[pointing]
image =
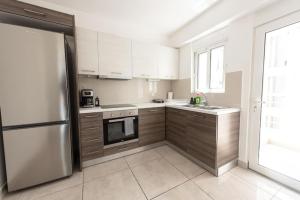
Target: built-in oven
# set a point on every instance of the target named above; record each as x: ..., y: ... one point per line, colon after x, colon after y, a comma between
x: 120, y: 126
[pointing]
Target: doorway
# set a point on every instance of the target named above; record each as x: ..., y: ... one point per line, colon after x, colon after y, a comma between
x: 275, y: 111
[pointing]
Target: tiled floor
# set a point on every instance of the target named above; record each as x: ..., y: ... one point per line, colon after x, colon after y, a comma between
x: 159, y: 174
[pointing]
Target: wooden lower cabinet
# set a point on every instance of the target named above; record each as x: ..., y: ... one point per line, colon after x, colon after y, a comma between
x: 176, y: 124
x: 152, y: 125
x: 91, y: 136
x: 212, y: 139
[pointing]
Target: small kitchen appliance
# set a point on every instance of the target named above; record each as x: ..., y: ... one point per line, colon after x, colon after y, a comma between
x: 87, y: 98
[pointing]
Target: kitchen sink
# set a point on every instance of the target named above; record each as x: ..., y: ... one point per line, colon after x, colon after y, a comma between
x: 204, y: 107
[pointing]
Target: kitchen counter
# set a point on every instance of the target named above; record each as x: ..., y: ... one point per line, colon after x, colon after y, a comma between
x: 212, y: 112
x: 177, y: 105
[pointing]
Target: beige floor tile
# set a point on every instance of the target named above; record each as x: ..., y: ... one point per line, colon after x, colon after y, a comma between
x: 230, y: 187
x: 256, y: 179
x: 104, y: 169
x: 186, y: 191
x: 158, y: 176
x: 287, y: 194
x: 186, y: 166
x: 142, y: 157
x: 46, y: 189
x: 117, y: 186
x: 74, y: 193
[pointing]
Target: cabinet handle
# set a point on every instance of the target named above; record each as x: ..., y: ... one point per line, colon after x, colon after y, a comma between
x: 152, y: 110
x: 93, y: 140
x: 119, y: 73
x: 34, y: 12
x: 87, y: 70
x: 89, y: 116
x: 90, y: 129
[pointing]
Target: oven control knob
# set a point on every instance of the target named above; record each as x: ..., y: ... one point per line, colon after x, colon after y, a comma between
x: 130, y: 113
x: 111, y: 115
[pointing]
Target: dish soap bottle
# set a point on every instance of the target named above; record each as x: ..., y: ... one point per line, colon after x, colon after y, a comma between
x: 198, y: 99
x: 97, y: 102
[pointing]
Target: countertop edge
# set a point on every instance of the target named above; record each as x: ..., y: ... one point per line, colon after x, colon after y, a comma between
x: 154, y: 105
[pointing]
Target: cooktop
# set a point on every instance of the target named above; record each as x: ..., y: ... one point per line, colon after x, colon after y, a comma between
x: 117, y: 106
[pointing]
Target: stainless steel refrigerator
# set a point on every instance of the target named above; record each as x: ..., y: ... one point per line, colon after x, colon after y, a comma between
x: 34, y: 106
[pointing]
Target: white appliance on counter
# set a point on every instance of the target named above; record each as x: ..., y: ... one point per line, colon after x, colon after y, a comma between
x: 34, y: 105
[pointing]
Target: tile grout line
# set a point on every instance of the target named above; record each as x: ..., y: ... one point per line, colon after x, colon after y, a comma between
x: 202, y: 188
x: 179, y: 169
x: 136, y: 179
x: 170, y: 189
x: 254, y: 185
x: 52, y: 193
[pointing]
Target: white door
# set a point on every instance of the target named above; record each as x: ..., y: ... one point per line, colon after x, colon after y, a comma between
x: 275, y: 133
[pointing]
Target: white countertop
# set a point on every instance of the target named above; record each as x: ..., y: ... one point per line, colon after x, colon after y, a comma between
x: 212, y: 112
x: 175, y: 104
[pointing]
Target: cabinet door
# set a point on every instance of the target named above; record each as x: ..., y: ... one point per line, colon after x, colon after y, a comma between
x: 185, y: 62
x: 176, y: 127
x: 202, y: 137
x: 114, y: 56
x: 87, y: 51
x: 144, y: 60
x: 151, y: 125
x: 91, y: 136
x: 168, y: 61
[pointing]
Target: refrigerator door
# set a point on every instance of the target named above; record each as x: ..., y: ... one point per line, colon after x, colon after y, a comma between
x: 33, y: 82
x: 36, y: 155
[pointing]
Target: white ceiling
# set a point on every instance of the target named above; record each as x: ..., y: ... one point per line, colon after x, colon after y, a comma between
x: 163, y: 17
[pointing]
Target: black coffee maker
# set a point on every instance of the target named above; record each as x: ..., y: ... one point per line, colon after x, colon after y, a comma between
x: 86, y: 98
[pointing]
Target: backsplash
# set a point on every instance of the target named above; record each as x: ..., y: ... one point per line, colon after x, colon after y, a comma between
x: 231, y: 97
x: 126, y: 91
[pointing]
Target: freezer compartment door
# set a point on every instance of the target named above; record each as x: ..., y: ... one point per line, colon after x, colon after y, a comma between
x: 33, y: 82
x: 37, y: 155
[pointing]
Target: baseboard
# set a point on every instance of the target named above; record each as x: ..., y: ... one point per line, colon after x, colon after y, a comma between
x: 243, y: 164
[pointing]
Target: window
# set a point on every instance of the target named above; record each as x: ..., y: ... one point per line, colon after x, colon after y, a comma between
x: 209, y: 70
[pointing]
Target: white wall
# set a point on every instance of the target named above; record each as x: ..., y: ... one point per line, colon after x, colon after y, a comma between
x: 239, y: 40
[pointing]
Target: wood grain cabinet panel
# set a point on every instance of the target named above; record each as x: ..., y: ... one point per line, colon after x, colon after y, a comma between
x: 35, y: 12
x: 151, y: 125
x: 91, y: 136
x: 228, y: 138
x: 176, y: 127
x: 211, y: 139
x: 201, y: 137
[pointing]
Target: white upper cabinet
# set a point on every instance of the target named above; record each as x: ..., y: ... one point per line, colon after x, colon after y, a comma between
x: 87, y: 51
x: 144, y: 60
x: 185, y: 62
x: 114, y: 56
x: 168, y: 61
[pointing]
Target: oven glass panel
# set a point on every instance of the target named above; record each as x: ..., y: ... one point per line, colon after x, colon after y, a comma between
x: 115, y: 131
x: 119, y: 130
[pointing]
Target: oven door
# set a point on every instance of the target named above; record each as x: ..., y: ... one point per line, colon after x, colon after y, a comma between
x: 120, y: 129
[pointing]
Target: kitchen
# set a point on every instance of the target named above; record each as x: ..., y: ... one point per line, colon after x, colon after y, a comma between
x: 113, y: 110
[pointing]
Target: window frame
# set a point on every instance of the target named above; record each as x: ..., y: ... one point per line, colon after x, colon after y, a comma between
x: 207, y: 89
